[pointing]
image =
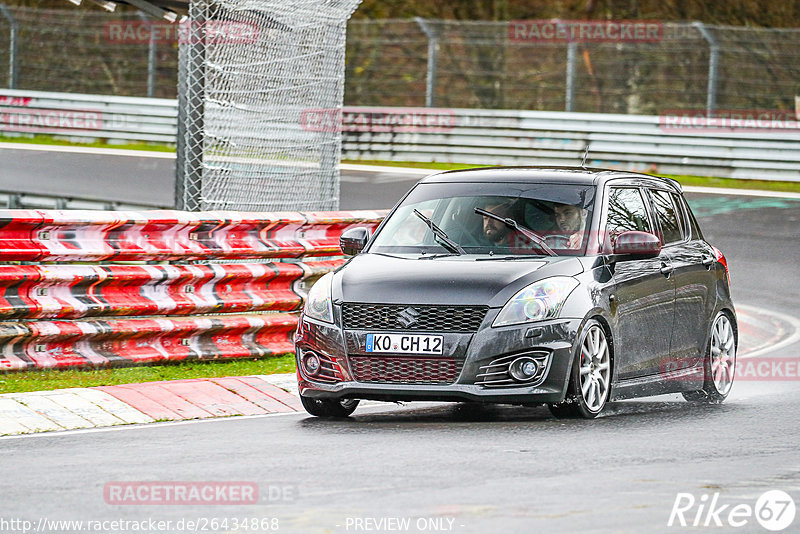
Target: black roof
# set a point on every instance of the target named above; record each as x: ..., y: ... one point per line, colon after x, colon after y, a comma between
x: 572, y: 175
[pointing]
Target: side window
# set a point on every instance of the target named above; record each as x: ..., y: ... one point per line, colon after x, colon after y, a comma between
x: 626, y: 212
x: 691, y: 228
x: 668, y: 216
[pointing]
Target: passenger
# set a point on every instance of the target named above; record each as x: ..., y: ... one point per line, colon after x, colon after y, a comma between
x: 570, y: 221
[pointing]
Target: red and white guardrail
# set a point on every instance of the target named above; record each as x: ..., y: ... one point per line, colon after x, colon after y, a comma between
x: 70, y: 302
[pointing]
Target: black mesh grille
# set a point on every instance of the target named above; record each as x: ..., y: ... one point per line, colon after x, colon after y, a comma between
x: 413, y: 317
x: 405, y: 370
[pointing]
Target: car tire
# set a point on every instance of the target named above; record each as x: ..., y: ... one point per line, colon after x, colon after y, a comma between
x: 719, y: 364
x: 329, y: 407
x: 590, y: 376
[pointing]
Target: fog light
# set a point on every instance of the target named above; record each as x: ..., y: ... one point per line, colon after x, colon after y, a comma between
x: 523, y: 369
x: 311, y: 363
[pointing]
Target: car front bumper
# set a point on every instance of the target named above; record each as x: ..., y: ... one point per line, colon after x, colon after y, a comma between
x: 473, y: 353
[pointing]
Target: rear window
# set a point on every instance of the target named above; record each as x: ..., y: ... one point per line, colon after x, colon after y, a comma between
x: 668, y: 216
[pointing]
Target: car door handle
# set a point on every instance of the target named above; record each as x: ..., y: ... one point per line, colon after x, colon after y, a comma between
x: 708, y: 261
x: 666, y: 269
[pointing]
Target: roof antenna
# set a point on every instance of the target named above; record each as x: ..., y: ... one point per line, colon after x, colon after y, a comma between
x: 585, y: 155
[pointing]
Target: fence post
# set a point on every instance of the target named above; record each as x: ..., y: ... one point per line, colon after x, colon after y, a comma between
x: 713, y: 62
x: 151, y: 57
x: 433, y: 53
x: 569, y: 97
x: 191, y: 111
x: 12, y: 46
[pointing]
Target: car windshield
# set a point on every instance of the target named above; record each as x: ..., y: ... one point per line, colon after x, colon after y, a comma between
x: 531, y: 219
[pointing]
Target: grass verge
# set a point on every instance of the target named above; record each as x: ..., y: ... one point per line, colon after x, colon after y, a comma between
x: 49, y: 140
x: 45, y: 380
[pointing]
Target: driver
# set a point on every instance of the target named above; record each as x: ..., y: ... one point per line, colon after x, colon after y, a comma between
x: 494, y: 230
x: 570, y: 221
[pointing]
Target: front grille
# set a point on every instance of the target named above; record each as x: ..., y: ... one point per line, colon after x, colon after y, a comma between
x: 405, y: 370
x: 413, y: 317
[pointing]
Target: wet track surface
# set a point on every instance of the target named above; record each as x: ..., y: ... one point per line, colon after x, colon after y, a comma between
x: 494, y: 469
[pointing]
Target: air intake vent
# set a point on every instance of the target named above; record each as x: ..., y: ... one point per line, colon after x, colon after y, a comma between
x: 405, y: 370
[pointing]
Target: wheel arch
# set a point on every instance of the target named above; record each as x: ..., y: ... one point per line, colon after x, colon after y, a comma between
x: 599, y: 315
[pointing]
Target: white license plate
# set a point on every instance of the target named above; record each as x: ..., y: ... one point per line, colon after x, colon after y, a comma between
x: 405, y: 343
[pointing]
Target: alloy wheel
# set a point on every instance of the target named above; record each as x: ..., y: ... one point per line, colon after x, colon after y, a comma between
x: 723, y: 354
x: 595, y: 369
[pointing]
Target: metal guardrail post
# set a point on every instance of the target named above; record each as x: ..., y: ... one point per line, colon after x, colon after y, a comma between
x: 151, y: 58
x: 569, y: 97
x: 713, y: 66
x: 12, y: 46
x: 433, y: 56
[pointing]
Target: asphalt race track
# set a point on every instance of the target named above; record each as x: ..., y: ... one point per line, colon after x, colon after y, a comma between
x: 127, y: 176
x: 95, y: 174
x: 453, y: 468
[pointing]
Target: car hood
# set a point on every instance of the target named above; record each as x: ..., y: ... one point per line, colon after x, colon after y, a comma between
x: 376, y: 279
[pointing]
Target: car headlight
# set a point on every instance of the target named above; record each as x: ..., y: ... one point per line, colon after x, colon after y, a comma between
x: 539, y: 301
x: 319, y: 303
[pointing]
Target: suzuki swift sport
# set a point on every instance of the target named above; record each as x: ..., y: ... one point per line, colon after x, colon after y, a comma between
x: 564, y: 286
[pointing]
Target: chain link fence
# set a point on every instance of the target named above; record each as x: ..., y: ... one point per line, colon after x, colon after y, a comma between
x: 248, y: 77
x: 78, y: 51
x: 482, y: 65
x: 435, y: 63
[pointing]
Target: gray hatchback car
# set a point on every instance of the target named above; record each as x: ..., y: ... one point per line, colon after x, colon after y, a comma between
x: 564, y: 286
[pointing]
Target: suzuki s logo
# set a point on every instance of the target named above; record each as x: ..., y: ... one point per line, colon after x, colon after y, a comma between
x: 407, y: 317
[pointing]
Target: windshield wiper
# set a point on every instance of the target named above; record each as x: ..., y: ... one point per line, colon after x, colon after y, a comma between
x: 509, y: 258
x: 424, y: 256
x: 440, y: 235
x: 511, y: 223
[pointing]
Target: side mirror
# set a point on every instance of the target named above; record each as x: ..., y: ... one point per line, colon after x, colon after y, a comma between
x: 352, y: 241
x: 637, y: 245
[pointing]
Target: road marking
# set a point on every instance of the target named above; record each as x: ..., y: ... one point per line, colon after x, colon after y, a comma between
x: 792, y: 338
x: 158, y: 424
x: 710, y: 205
x: 414, y: 171
x: 739, y: 192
